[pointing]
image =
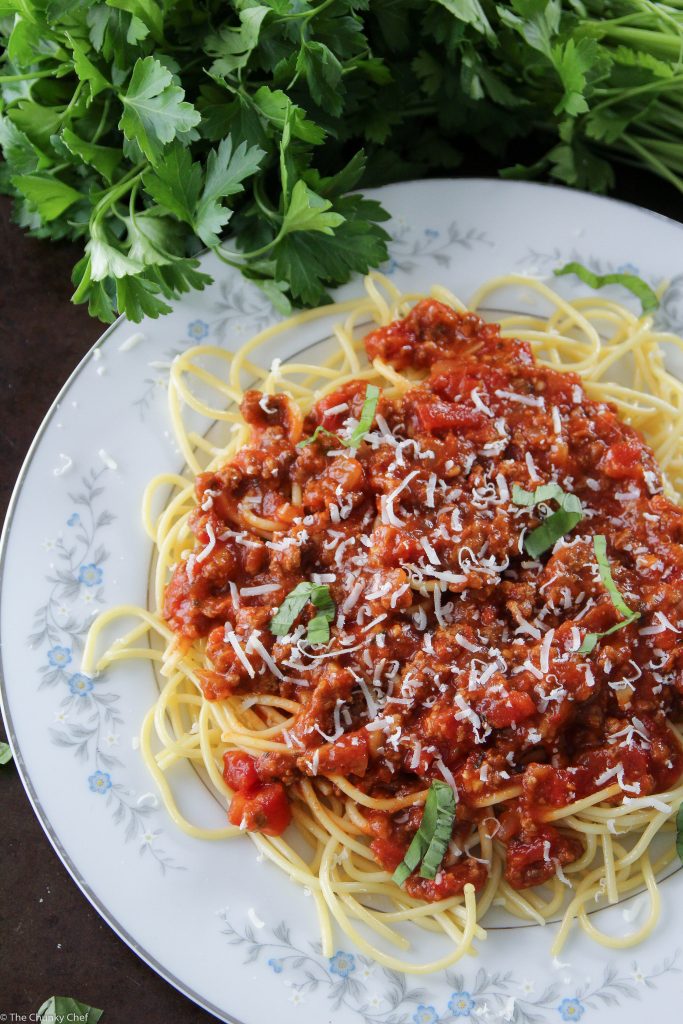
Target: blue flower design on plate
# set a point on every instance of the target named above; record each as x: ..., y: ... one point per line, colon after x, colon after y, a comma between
x: 461, y: 1004
x: 431, y: 233
x: 73, y: 519
x: 342, y: 964
x: 624, y: 268
x: 100, y: 782
x: 571, y: 1009
x: 275, y: 965
x: 425, y: 1015
x: 90, y: 575
x: 198, y: 329
x: 58, y: 656
x: 80, y: 684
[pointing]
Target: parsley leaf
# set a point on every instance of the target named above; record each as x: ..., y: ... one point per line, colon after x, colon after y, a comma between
x: 309, y: 212
x: 633, y: 283
x: 226, y: 169
x: 47, y: 194
x: 258, y: 117
x: 104, y: 159
x: 155, y: 111
x: 5, y: 753
x: 63, y: 1008
x: 86, y: 70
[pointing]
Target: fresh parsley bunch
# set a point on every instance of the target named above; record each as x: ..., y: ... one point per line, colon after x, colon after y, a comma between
x: 148, y: 128
x: 151, y: 129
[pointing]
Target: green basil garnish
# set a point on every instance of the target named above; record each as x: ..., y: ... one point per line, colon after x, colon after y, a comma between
x: 634, y: 284
x: 367, y: 415
x: 555, y: 526
x: 295, y: 602
x: 430, y: 842
x: 628, y: 615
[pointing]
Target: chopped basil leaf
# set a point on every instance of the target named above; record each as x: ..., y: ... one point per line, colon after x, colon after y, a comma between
x: 600, y: 547
x: 591, y: 639
x: 315, y: 435
x: 548, y: 533
x: 634, y: 284
x: 555, y: 526
x: 413, y: 856
x: 430, y: 842
x: 367, y: 415
x: 295, y: 602
x: 318, y: 630
x: 628, y: 615
x: 322, y: 600
x: 431, y: 862
x: 319, y: 626
x: 5, y: 753
x: 543, y: 493
x: 63, y: 1008
x: 679, y: 833
x: 293, y: 605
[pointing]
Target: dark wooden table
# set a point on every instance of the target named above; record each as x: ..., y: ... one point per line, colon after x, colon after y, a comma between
x: 53, y: 942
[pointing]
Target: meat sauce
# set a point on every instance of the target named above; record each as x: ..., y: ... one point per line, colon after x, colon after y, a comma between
x: 453, y: 654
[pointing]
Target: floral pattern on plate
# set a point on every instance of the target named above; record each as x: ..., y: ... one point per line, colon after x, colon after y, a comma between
x: 378, y: 995
x: 87, y: 718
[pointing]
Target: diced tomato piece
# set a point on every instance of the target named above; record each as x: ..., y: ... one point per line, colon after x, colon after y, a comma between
x: 388, y: 853
x: 434, y: 414
x: 534, y: 860
x: 351, y: 394
x: 394, y: 547
x: 267, y: 810
x: 457, y: 381
x: 510, y: 823
x: 448, y: 882
x: 215, y: 686
x: 239, y: 771
x: 623, y: 460
x: 501, y: 714
x: 347, y: 756
x: 545, y: 786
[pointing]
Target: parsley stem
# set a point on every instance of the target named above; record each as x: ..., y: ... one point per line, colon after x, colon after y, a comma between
x: 659, y: 44
x: 649, y: 158
x: 72, y: 102
x: 659, y: 85
x: 47, y: 73
x: 84, y: 284
x: 226, y: 255
x: 113, y: 194
x: 306, y: 15
x: 261, y: 201
x: 102, y: 121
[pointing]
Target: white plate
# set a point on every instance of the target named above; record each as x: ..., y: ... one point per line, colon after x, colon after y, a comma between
x: 234, y: 934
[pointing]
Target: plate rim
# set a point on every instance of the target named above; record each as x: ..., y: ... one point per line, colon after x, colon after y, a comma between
x: 98, y: 905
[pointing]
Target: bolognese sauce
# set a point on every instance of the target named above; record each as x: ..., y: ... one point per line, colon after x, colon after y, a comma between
x: 452, y: 653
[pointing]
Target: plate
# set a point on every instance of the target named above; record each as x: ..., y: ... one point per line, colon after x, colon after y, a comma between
x: 236, y: 935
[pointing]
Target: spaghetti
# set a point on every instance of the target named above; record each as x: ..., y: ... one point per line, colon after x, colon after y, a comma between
x: 454, y: 562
